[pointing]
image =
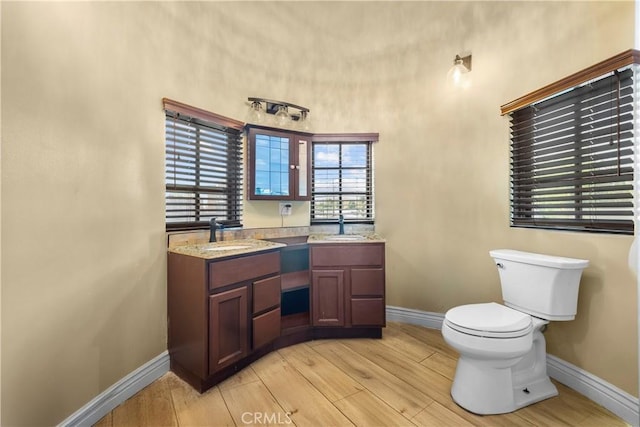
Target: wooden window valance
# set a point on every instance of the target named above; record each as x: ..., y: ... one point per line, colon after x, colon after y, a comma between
x: 623, y: 59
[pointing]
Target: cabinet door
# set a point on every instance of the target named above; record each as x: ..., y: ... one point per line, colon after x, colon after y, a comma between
x: 271, y: 168
x: 328, y: 297
x: 279, y: 165
x: 302, y: 178
x: 228, y: 334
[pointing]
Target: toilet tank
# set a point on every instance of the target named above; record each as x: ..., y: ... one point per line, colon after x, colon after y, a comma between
x: 544, y: 286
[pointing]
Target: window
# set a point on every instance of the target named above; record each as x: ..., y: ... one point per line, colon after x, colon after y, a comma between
x: 272, y: 165
x: 342, y: 181
x: 203, y: 168
x: 572, y: 158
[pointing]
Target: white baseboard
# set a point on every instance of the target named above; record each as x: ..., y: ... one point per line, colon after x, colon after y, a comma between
x: 603, y: 393
x: 415, y: 317
x: 106, y: 401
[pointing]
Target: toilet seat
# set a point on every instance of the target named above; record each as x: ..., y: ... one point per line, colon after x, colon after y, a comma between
x: 489, y: 320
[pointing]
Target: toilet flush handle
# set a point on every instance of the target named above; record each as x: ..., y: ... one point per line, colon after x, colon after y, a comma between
x: 500, y: 265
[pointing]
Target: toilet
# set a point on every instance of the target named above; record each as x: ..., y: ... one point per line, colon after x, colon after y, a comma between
x: 502, y: 365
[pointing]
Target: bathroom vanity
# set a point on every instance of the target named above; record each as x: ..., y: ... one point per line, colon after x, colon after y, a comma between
x: 230, y: 303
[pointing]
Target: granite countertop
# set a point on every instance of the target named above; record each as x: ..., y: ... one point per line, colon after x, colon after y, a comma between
x: 226, y: 248
x: 345, y: 238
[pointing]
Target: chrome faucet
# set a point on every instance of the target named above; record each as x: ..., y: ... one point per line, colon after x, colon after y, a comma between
x: 341, y: 223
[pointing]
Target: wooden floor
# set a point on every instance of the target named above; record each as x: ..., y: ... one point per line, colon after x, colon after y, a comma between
x: 403, y: 379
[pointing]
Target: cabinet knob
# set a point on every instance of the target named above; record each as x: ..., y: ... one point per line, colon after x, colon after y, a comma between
x: 298, y: 167
x: 292, y: 166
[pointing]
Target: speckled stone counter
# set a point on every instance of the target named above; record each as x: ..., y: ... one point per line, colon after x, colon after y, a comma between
x: 345, y: 238
x: 226, y: 248
x: 179, y: 238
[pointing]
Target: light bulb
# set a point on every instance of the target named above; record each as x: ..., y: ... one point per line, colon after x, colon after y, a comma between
x: 282, y: 116
x: 303, y: 121
x: 458, y: 75
x: 256, y: 114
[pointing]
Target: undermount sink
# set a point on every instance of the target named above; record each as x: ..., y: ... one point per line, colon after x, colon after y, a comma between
x: 344, y: 237
x: 228, y: 248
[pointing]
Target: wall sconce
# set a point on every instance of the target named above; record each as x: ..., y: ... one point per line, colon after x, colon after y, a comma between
x: 458, y: 75
x: 260, y: 109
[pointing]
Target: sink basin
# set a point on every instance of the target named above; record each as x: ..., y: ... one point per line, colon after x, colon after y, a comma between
x: 344, y: 237
x: 228, y: 248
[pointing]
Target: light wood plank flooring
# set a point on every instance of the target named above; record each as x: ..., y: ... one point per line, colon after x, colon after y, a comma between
x: 401, y: 380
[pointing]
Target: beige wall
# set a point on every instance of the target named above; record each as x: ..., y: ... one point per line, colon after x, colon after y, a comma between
x: 83, y: 245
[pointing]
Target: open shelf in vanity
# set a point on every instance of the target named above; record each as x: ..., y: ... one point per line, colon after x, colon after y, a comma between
x: 295, y: 280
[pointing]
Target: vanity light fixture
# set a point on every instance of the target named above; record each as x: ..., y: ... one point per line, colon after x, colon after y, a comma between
x: 282, y: 116
x: 458, y: 75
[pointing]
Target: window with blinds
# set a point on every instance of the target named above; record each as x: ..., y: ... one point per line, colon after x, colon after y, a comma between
x: 203, y: 168
x: 572, y: 158
x: 342, y: 181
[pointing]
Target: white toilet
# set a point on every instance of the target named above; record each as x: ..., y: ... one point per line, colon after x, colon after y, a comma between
x: 502, y: 365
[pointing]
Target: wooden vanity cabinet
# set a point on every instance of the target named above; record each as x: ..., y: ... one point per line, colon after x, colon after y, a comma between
x: 221, y: 313
x: 348, y: 284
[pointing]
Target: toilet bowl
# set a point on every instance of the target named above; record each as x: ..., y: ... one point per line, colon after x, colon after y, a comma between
x: 502, y: 364
x: 501, y: 367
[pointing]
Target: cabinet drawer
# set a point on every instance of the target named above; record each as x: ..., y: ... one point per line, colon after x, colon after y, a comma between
x: 236, y: 270
x: 367, y: 312
x: 266, y: 294
x: 329, y: 255
x: 266, y: 328
x: 367, y: 282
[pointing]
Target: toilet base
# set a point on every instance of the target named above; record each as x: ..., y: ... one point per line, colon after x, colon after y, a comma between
x: 496, y: 387
x: 492, y: 391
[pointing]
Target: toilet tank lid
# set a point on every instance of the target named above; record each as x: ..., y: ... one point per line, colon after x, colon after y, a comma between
x: 539, y: 259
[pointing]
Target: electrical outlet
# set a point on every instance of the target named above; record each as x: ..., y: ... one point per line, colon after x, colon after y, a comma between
x: 285, y: 208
